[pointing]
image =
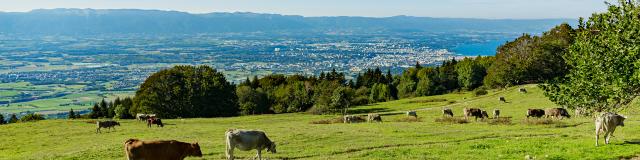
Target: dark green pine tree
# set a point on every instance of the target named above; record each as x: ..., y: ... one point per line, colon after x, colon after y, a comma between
x: 72, y: 114
x: 2, y: 119
x: 13, y: 119
x: 95, y: 111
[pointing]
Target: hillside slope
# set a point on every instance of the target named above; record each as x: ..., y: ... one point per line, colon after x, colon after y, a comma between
x: 297, y: 138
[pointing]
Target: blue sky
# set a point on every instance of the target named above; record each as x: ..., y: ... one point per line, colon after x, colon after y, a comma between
x: 494, y: 9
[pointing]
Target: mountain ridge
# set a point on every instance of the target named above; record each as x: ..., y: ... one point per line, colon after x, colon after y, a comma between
x: 104, y: 21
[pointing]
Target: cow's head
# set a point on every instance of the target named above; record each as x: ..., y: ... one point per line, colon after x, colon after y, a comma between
x: 196, y: 150
x: 118, y: 123
x: 563, y: 112
x: 621, y: 119
x: 272, y: 147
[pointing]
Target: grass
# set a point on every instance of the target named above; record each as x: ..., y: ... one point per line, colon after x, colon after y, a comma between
x: 298, y: 138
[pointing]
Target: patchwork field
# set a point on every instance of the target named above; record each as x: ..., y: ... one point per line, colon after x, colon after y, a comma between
x: 51, y: 98
x: 394, y: 138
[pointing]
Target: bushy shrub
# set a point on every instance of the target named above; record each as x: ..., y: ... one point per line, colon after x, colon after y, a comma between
x: 480, y: 91
x: 31, y: 117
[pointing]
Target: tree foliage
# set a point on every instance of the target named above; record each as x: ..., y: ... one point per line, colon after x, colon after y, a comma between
x: 604, y: 62
x: 13, y: 119
x: 186, y: 91
x: 72, y: 114
x: 31, y: 117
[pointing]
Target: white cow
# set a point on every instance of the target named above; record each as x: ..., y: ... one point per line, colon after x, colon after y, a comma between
x: 607, y: 123
x: 247, y: 140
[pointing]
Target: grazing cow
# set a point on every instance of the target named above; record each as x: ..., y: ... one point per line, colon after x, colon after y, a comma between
x: 160, y: 150
x: 496, y: 113
x: 447, y: 112
x: 557, y: 113
x: 607, y: 123
x: 484, y: 114
x: 412, y: 114
x: 141, y: 117
x: 246, y: 140
x: 535, y: 113
x: 153, y: 120
x: 106, y: 124
x: 523, y: 90
x: 503, y: 100
x: 475, y: 112
x: 372, y: 117
x: 352, y: 119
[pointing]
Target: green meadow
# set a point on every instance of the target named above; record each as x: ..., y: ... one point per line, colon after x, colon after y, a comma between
x: 297, y: 137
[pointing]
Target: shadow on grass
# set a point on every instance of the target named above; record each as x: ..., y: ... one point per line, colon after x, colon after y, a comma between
x: 569, y: 125
x: 633, y: 141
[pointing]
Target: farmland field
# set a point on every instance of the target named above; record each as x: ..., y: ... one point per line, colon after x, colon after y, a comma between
x: 394, y: 138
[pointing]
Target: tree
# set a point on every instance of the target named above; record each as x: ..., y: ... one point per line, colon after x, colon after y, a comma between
x: 470, y: 73
x: 31, y: 117
x: 2, y: 119
x: 531, y: 59
x: 13, y: 119
x: 95, y: 111
x: 340, y: 100
x: 252, y: 101
x: 186, y: 91
x: 72, y: 114
x: 121, y: 112
x: 604, y: 62
x: 380, y: 93
x: 104, y: 109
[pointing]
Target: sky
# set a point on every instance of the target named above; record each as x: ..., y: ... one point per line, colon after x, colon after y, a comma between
x: 492, y: 9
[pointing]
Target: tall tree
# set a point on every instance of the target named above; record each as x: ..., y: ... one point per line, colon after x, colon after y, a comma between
x: 340, y: 100
x: 13, y: 119
x: 72, y: 114
x: 186, y: 91
x: 604, y: 62
x: 2, y: 121
x: 104, y: 108
x: 95, y: 111
x: 531, y: 59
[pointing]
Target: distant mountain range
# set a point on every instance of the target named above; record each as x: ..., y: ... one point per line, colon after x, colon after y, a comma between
x: 106, y: 21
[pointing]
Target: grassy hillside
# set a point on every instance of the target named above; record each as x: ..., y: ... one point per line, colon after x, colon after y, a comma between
x: 297, y: 138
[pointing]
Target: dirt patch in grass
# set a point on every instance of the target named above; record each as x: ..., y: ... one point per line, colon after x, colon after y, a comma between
x: 541, y: 121
x: 409, y: 119
x: 500, y: 121
x: 453, y: 120
x: 328, y: 121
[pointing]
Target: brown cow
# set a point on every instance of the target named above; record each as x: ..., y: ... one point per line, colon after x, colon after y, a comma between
x: 153, y: 120
x: 556, y: 112
x: 160, y: 150
x: 478, y: 113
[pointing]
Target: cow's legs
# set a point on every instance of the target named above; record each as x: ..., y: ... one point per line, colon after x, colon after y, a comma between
x: 229, y: 151
x: 259, y: 155
x: 97, y: 129
x: 606, y: 137
x: 597, y: 136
